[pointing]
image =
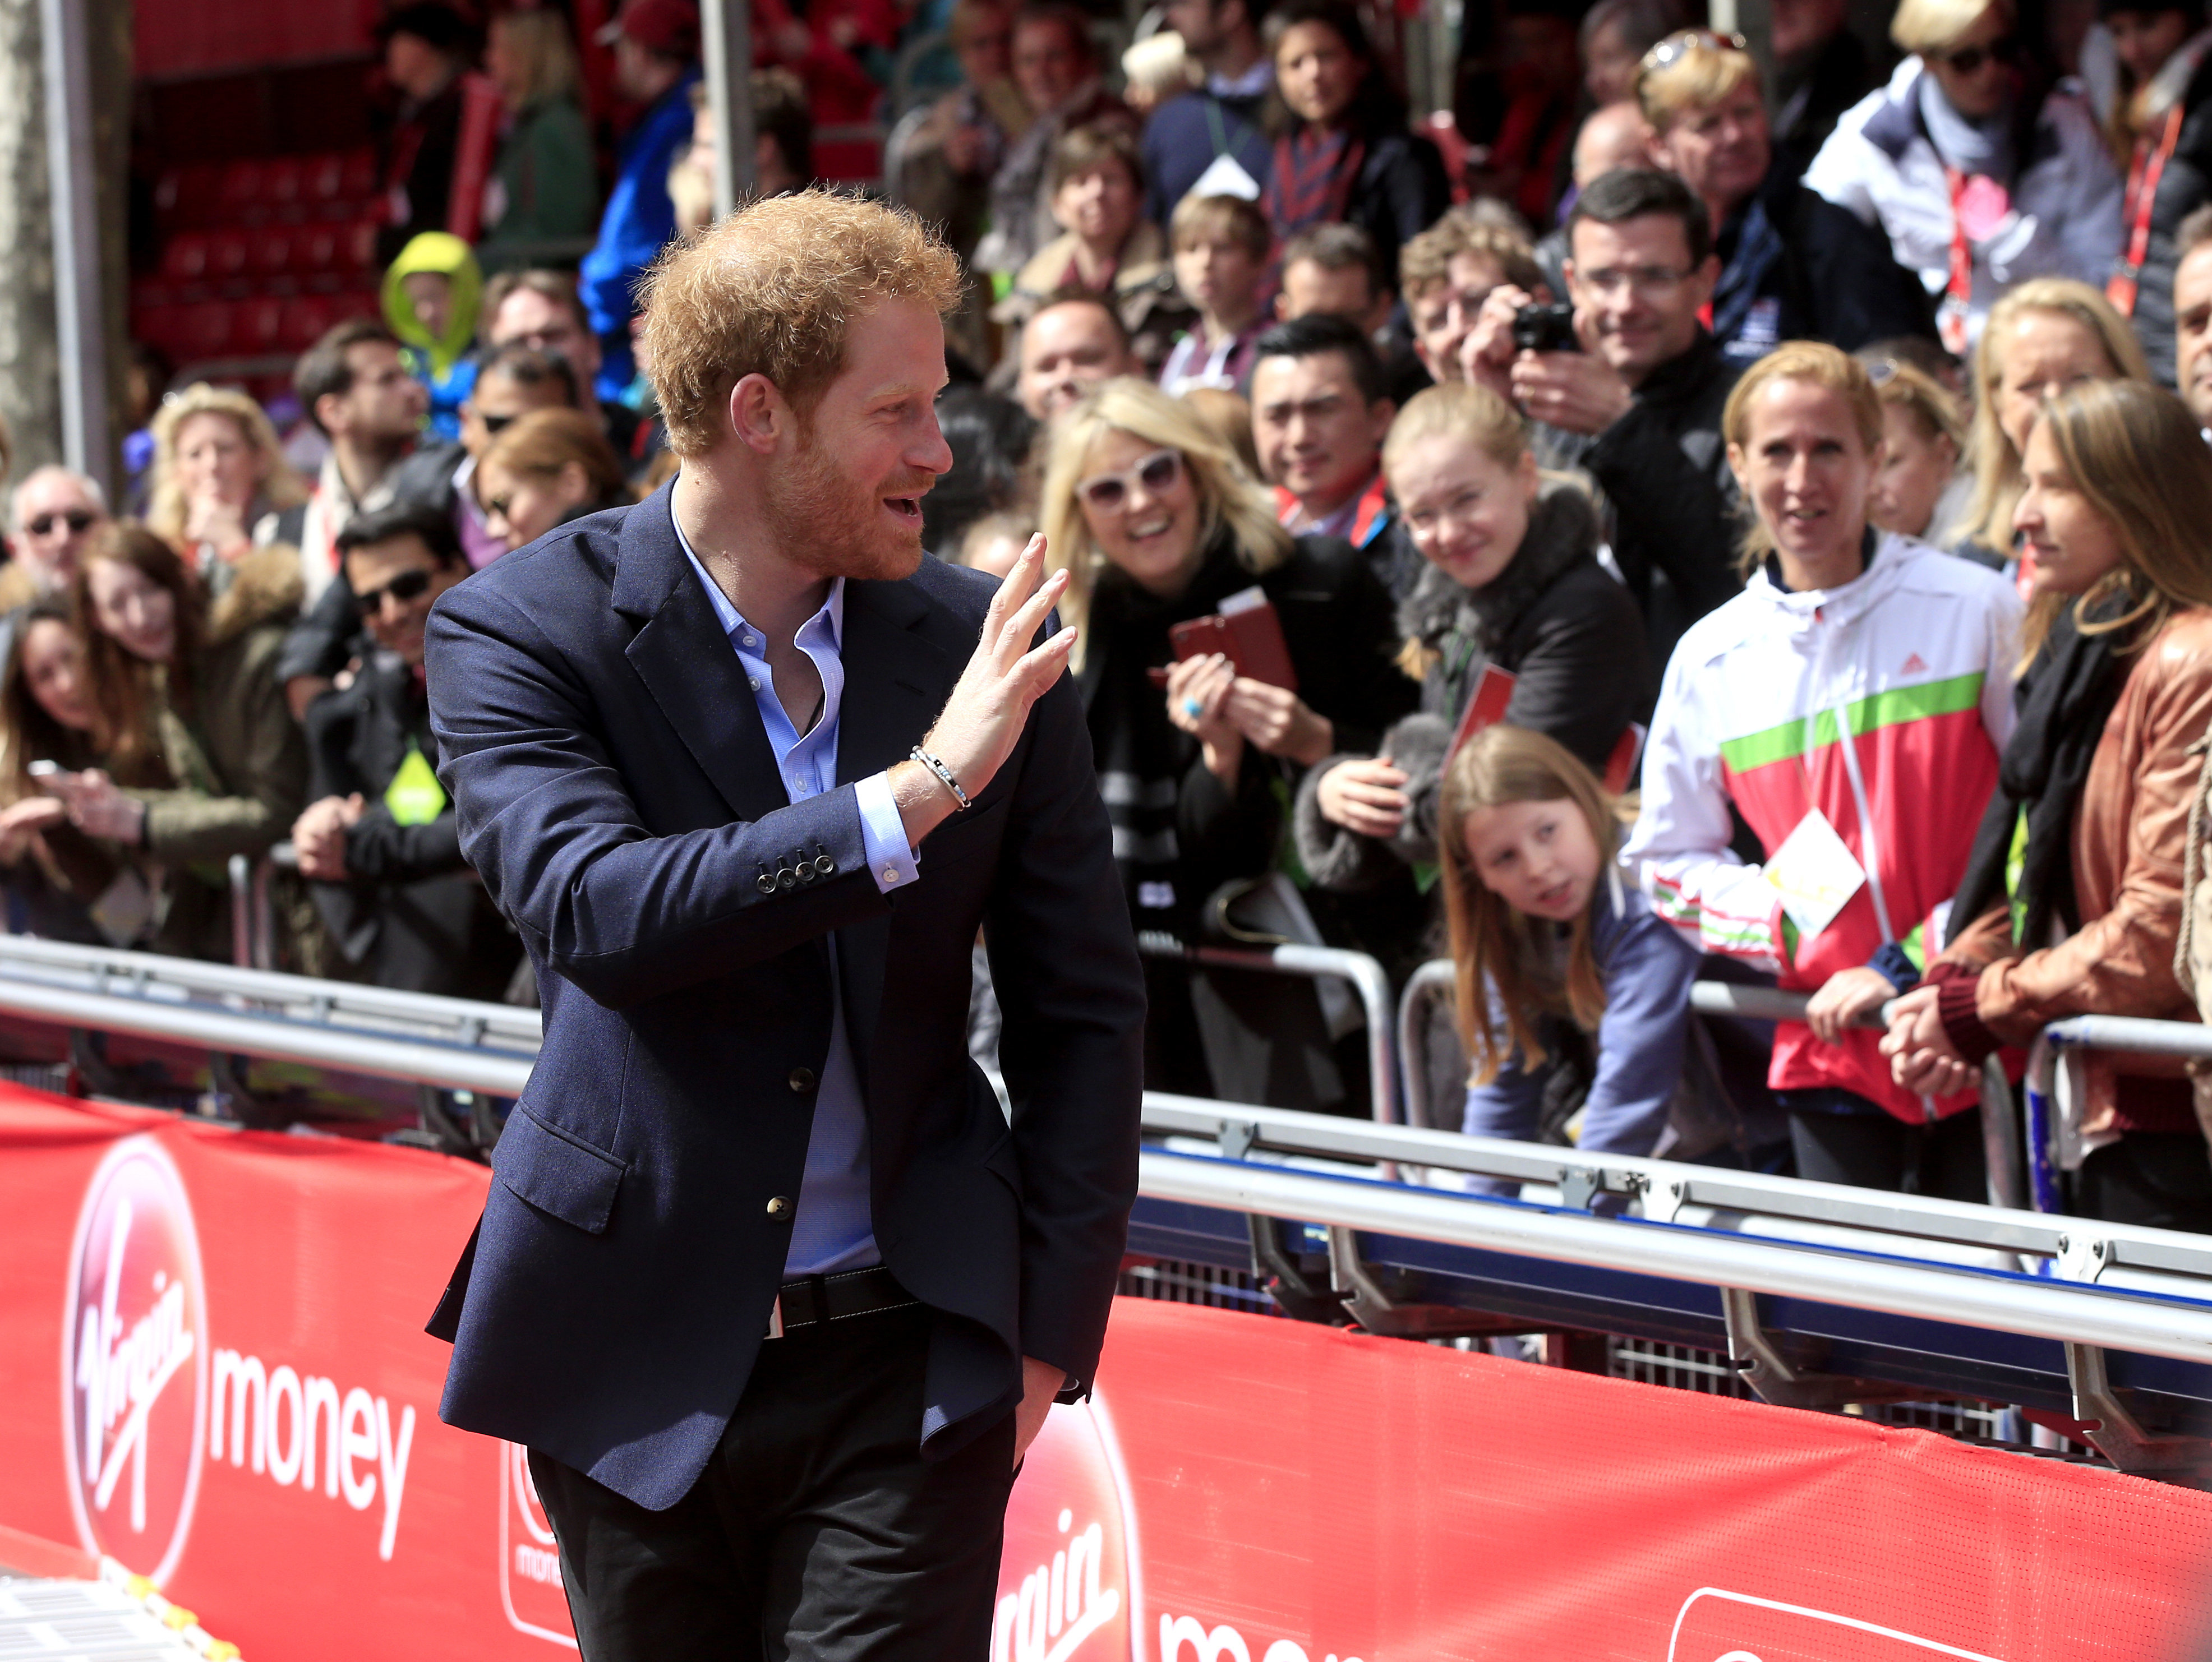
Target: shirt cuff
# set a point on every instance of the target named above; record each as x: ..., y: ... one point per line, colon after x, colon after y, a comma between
x: 891, y: 862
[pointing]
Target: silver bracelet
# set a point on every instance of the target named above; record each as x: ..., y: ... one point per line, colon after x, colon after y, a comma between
x: 942, y: 772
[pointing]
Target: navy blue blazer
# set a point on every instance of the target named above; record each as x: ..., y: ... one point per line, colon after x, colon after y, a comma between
x: 617, y: 794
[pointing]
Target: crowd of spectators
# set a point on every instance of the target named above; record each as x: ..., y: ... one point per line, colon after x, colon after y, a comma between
x: 1702, y: 522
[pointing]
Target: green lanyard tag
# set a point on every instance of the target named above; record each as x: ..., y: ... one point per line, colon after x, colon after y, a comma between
x: 2016, y: 864
x: 415, y: 797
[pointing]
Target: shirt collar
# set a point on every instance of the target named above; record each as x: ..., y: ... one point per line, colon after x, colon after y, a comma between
x: 1252, y: 83
x: 732, y: 620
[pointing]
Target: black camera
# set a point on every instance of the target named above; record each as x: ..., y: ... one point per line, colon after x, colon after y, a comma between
x: 1545, y: 328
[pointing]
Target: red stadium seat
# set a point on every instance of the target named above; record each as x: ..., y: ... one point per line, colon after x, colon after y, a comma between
x: 241, y: 189
x: 274, y: 250
x: 359, y: 181
x: 157, y: 324
x: 204, y: 330
x: 185, y: 258
x: 227, y: 253
x: 304, y: 319
x: 357, y: 248
x: 324, y: 177
x: 282, y: 181
x: 257, y: 325
x: 315, y: 247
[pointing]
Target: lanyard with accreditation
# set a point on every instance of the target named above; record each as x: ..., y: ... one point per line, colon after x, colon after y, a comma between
x: 2143, y: 194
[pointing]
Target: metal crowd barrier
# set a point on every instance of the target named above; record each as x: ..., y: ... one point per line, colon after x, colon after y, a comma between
x: 1313, y: 964
x: 2107, y: 1328
x: 2026, y: 1134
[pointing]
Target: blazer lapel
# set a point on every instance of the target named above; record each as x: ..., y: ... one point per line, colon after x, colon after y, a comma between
x: 896, y: 681
x: 689, y: 666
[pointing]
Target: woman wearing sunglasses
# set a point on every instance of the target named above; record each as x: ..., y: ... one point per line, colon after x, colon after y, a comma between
x: 1979, y: 176
x: 188, y: 691
x: 544, y: 469
x: 1157, y: 524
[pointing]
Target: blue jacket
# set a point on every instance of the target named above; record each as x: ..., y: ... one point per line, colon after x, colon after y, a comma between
x: 638, y: 220
x: 1185, y: 135
x: 1648, y: 968
x: 618, y: 796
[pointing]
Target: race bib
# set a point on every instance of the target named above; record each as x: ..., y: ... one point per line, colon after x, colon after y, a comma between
x: 1814, y: 874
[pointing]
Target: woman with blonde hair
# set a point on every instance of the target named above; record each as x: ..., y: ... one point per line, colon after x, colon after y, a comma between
x: 1509, y: 581
x: 1158, y: 525
x: 2042, y: 338
x: 1849, y: 706
x: 541, y: 204
x: 2070, y: 903
x: 1923, y: 444
x: 220, y: 478
x: 1960, y: 151
x: 545, y: 469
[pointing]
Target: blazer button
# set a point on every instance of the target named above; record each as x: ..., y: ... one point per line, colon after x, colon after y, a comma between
x: 779, y: 1209
x: 802, y: 1080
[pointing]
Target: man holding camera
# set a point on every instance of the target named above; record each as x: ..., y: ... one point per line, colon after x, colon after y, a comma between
x: 1627, y: 387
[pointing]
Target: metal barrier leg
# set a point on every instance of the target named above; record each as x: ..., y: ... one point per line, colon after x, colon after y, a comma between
x: 2042, y: 1119
x: 1313, y: 962
x: 2000, y: 1137
x: 241, y: 912
x: 1415, y: 1006
x: 264, y: 922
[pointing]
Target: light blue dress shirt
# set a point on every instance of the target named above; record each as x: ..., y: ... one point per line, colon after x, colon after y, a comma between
x: 834, y: 1229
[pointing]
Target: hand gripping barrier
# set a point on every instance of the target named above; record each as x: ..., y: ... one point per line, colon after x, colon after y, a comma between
x: 2013, y: 1136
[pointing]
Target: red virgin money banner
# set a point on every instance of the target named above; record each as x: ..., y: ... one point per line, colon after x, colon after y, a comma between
x: 212, y: 1369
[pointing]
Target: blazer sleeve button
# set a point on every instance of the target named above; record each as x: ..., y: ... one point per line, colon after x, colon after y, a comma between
x: 780, y: 1208
x: 802, y: 1080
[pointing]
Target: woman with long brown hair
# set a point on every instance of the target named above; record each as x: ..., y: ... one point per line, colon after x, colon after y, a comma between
x: 2071, y: 900
x: 194, y: 694
x: 62, y: 885
x: 548, y: 467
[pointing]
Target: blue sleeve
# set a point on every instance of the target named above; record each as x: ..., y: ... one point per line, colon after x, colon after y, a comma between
x: 547, y: 821
x: 891, y: 860
x: 1510, y: 1106
x: 1648, y: 973
x: 638, y: 217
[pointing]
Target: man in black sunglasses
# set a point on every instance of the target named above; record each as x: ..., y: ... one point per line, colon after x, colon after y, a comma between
x: 53, y: 514
x: 378, y: 840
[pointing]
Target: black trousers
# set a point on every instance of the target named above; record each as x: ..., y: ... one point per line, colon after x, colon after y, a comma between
x: 2162, y: 1179
x: 817, y: 1531
x: 1877, y: 1150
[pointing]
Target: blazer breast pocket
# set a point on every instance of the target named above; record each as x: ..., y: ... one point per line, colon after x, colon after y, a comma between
x: 556, y: 1173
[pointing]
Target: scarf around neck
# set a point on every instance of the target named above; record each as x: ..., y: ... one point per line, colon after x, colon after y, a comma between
x: 1983, y: 147
x: 2023, y: 850
x: 1312, y: 179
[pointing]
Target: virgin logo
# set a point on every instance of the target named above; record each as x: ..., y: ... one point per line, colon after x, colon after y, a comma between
x: 1068, y: 1588
x: 135, y: 1361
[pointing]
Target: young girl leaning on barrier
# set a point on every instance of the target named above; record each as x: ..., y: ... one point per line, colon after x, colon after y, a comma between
x: 1552, y: 949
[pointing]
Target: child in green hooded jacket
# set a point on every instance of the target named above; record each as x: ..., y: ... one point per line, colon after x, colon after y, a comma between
x: 431, y: 296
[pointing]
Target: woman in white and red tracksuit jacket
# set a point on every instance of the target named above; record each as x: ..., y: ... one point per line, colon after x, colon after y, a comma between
x: 1862, y: 678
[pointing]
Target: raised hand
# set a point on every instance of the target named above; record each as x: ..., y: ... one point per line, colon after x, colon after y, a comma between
x: 975, y: 732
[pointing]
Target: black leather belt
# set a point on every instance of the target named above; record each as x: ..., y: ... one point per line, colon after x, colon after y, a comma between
x: 813, y: 1300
